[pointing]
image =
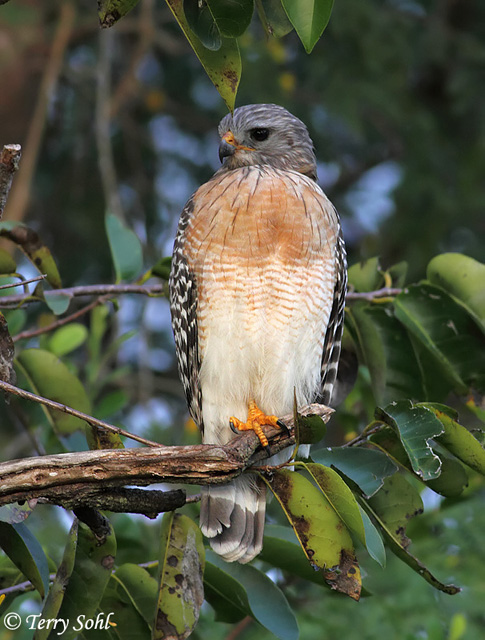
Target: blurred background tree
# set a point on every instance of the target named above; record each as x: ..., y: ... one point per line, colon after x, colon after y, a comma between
x: 125, y: 120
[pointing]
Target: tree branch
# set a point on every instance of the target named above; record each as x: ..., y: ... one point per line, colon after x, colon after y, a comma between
x: 94, y: 478
x: 159, y: 289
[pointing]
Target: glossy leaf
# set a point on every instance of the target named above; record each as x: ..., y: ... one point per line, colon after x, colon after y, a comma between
x: 366, y: 467
x: 55, y: 596
x: 125, y: 249
x: 373, y: 539
x: 231, y: 16
x: 463, y: 278
x: 394, y: 545
x: 202, y: 23
x: 49, y: 377
x: 57, y: 302
x: 67, y: 338
x: 460, y: 442
x: 322, y: 535
x: 222, y: 66
x: 162, y: 268
x: 395, y: 504
x: 141, y: 589
x: 388, y: 353
x: 118, y: 609
x: 452, y: 480
x: 416, y: 426
x: 266, y: 601
x: 110, y: 11
x: 94, y: 561
x: 15, y: 513
x: 31, y: 244
x: 274, y: 18
x: 365, y: 275
x: 181, y: 566
x: 226, y: 595
x: 342, y: 500
x: 7, y: 263
x: 309, y: 17
x: 447, y: 331
x: 25, y: 552
x: 282, y: 549
x: 310, y: 429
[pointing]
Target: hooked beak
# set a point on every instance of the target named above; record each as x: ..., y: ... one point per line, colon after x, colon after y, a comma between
x: 229, y: 146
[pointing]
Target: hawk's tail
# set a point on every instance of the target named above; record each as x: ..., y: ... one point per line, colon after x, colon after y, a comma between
x: 232, y: 517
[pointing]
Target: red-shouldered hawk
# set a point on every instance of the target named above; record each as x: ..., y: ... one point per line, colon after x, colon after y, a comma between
x: 257, y: 294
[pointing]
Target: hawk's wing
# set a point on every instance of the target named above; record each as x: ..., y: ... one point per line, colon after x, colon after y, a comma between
x: 183, y: 307
x: 333, y: 335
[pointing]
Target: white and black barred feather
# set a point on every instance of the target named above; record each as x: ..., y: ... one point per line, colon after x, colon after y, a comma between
x: 335, y: 328
x: 183, y: 307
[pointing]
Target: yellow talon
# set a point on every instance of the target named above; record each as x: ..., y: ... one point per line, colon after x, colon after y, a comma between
x: 255, y: 422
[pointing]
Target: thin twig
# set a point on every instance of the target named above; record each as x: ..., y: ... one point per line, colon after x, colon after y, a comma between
x: 21, y: 393
x: 109, y: 290
x: 153, y: 290
x: 22, y: 283
x: 59, y: 323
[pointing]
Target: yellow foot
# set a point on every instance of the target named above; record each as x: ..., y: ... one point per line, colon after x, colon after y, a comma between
x: 255, y: 422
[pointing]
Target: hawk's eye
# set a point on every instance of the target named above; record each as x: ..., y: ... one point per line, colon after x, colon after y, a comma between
x: 259, y: 134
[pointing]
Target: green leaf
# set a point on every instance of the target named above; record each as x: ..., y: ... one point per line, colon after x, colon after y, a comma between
x: 202, y: 23
x: 7, y: 263
x: 118, y: 608
x: 416, y: 426
x: 55, y: 596
x: 26, y: 553
x: 282, y: 549
x: 366, y: 467
x: 365, y: 275
x: 342, y: 500
x: 459, y: 441
x: 94, y: 561
x: 15, y: 513
x: 58, y: 303
x: 231, y: 16
x: 125, y: 248
x: 181, y: 568
x: 273, y: 18
x: 141, y: 589
x: 226, y: 595
x: 309, y: 17
x: 222, y: 66
x: 322, y: 535
x: 447, y: 331
x: 395, y: 504
x: 49, y: 377
x: 266, y: 601
x: 398, y: 273
x: 452, y: 480
x: 162, y: 268
x: 311, y: 428
x: 110, y: 11
x: 395, y: 546
x: 463, y: 278
x: 67, y: 338
x: 373, y: 540
x: 30, y: 243
x: 387, y: 351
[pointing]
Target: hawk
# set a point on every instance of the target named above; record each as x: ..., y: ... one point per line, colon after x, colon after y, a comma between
x: 257, y: 295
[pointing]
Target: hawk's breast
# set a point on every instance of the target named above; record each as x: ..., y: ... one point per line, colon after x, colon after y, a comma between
x: 261, y: 244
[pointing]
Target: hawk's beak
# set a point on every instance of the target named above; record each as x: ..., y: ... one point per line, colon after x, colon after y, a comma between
x: 227, y: 146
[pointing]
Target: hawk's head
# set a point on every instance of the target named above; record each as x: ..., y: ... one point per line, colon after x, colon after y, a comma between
x: 259, y: 134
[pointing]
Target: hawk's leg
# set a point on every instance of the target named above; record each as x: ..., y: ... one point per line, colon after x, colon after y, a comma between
x: 255, y: 422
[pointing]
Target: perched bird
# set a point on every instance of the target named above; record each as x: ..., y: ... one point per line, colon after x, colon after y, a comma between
x: 257, y: 295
